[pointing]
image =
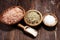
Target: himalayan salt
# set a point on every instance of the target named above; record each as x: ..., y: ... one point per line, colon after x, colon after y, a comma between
x: 12, y: 15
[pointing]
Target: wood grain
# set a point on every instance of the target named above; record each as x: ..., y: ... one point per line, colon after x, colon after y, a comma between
x: 44, y: 33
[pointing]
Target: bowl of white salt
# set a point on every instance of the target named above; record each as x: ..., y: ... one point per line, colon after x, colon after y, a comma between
x: 50, y: 20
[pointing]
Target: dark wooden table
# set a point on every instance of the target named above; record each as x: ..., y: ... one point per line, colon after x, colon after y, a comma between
x: 44, y: 33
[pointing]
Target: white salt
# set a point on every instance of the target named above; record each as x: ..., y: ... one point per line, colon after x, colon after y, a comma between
x: 49, y: 20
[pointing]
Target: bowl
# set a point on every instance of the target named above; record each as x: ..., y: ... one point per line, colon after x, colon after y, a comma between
x: 50, y: 19
x: 33, y: 17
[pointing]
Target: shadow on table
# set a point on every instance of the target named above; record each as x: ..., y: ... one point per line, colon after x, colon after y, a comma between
x: 5, y: 27
x: 48, y: 28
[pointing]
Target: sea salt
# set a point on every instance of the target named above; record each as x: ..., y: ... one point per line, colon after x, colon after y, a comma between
x: 49, y: 20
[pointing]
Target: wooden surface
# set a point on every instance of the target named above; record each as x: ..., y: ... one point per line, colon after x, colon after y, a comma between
x: 44, y: 33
